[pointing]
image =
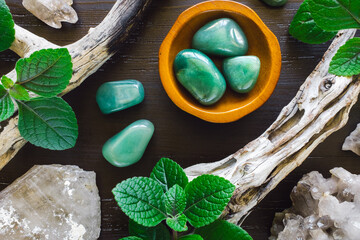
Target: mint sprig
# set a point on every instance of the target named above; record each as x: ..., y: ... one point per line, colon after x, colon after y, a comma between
x: 142, y: 199
x: 7, y: 107
x: 178, y: 223
x: 7, y: 31
x: 168, y: 173
x: 46, y: 121
x: 191, y: 237
x: 224, y: 229
x: 207, y: 196
x: 19, y: 92
x: 7, y: 82
x: 334, y: 15
x: 175, y: 200
x: 317, y: 20
x: 131, y: 238
x: 304, y: 28
x: 168, y: 195
x: 46, y: 72
x: 159, y: 232
x: 346, y: 61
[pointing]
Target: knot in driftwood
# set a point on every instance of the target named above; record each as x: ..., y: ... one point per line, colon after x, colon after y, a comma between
x: 320, y: 107
x: 327, y: 83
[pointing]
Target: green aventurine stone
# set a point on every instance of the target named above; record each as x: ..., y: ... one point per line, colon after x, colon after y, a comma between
x: 221, y: 37
x: 241, y: 72
x: 119, y: 95
x: 275, y: 3
x: 128, y: 146
x: 199, y: 75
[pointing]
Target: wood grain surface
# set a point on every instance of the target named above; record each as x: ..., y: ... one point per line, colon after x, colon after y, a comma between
x: 178, y: 135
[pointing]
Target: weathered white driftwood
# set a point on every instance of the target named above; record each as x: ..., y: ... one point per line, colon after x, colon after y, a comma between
x: 320, y: 107
x: 88, y: 55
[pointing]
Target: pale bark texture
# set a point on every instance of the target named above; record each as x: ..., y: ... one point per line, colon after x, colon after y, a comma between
x: 320, y: 107
x: 88, y: 55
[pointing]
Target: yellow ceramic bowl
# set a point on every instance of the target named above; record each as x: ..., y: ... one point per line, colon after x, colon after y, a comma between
x: 262, y: 43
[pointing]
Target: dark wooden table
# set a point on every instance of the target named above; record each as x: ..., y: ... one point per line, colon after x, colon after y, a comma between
x: 178, y: 135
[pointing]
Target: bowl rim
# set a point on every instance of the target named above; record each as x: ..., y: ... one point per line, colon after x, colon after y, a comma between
x: 235, y: 113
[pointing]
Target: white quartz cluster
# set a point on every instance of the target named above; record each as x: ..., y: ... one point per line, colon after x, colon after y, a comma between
x: 323, y: 209
x: 52, y: 12
x: 352, y: 142
x: 51, y: 202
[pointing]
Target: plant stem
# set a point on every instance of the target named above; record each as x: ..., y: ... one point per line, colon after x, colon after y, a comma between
x: 175, y: 235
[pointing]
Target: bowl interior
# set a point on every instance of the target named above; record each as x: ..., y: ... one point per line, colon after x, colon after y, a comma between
x: 235, y: 103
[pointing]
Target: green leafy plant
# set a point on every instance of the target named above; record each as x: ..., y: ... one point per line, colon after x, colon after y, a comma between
x: 169, y: 196
x: 45, y: 120
x: 318, y: 21
x: 7, y: 31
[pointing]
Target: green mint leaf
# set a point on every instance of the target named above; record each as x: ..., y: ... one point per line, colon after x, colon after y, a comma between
x: 206, y: 197
x: 7, y: 107
x: 168, y: 173
x: 223, y: 230
x: 346, y: 61
x: 46, y: 72
x: 19, y: 92
x: 194, y: 237
x: 334, y: 15
x: 304, y: 28
x: 131, y: 238
x: 7, y: 31
x: 48, y: 123
x: 6, y: 82
x: 177, y: 223
x: 142, y: 200
x: 160, y: 232
x: 175, y: 200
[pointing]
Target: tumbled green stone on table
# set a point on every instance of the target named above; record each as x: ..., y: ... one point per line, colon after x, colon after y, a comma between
x: 275, y: 3
x: 241, y: 73
x: 199, y: 75
x: 221, y: 37
x: 119, y: 95
x: 128, y: 146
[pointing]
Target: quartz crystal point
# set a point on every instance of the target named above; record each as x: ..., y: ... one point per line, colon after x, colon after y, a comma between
x: 323, y: 209
x: 52, y: 12
x: 52, y: 202
x: 352, y: 142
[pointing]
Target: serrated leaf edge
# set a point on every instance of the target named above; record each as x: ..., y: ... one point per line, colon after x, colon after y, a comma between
x: 175, y: 187
x: 163, y: 161
x: 22, y: 103
x: 8, y: 114
x: 175, y: 219
x: 42, y: 72
x: 187, y: 208
x: 341, y: 51
x: 147, y: 203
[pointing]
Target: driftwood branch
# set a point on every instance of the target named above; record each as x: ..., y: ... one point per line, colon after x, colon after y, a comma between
x: 88, y: 55
x: 320, y: 107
